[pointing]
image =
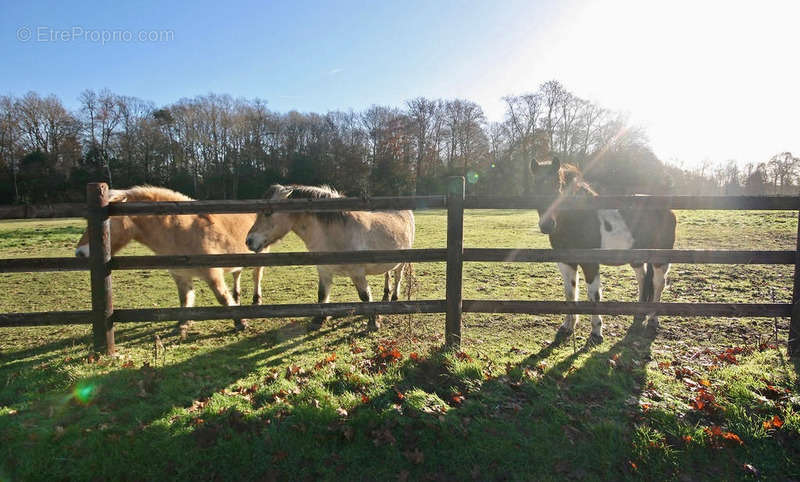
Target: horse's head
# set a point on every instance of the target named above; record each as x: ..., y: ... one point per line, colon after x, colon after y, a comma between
x: 547, y: 181
x: 270, y: 227
x: 121, y: 229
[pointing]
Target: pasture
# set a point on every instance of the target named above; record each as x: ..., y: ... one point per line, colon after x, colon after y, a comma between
x: 708, y: 398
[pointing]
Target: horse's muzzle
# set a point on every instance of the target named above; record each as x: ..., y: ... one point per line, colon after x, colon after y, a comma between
x: 547, y: 226
x: 253, y: 244
x: 82, y: 251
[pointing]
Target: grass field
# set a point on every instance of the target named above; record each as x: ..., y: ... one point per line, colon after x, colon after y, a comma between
x: 707, y: 398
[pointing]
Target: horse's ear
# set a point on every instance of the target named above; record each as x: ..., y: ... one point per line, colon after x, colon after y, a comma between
x: 282, y: 192
x: 533, y: 165
x: 117, y: 196
x: 556, y: 164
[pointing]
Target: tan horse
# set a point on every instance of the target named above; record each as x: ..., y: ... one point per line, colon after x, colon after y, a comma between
x: 338, y: 231
x: 184, y: 234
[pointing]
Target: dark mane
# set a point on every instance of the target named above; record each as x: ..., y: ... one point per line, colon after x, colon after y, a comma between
x: 314, y: 192
x: 569, y: 175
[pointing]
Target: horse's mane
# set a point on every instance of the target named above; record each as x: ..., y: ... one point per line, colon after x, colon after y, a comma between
x: 570, y: 175
x: 154, y: 193
x: 314, y: 192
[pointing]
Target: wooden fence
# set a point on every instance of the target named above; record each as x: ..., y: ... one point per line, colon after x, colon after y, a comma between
x: 101, y: 264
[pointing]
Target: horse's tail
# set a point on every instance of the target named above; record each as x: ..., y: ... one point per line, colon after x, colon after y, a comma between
x: 649, y: 288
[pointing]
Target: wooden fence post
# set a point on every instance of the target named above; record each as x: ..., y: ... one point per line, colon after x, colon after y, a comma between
x: 794, y: 324
x: 99, y: 258
x: 455, y: 260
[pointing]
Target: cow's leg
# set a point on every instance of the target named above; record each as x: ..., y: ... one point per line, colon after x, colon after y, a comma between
x: 364, y: 293
x: 186, y: 297
x: 659, y: 283
x: 237, y: 285
x: 591, y: 272
x: 216, y: 281
x: 257, y: 274
x: 638, y: 269
x: 323, y: 293
x: 569, y: 272
x: 386, y: 289
x: 398, y: 280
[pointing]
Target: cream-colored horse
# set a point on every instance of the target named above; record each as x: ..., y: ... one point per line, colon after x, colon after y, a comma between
x: 184, y: 234
x: 338, y: 231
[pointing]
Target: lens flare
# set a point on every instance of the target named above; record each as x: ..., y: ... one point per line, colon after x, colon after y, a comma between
x: 84, y: 392
x: 472, y: 177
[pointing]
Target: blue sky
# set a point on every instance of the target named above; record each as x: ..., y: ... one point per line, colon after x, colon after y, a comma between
x: 681, y: 70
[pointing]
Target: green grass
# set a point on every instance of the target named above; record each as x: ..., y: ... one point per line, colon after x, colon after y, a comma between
x: 274, y: 403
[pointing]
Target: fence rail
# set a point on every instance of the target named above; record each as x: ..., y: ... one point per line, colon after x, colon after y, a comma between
x: 101, y: 264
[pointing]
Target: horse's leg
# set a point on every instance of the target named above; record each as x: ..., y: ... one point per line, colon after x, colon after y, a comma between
x: 386, y: 286
x: 216, y: 281
x: 237, y: 285
x: 569, y: 272
x: 323, y: 293
x: 398, y: 279
x: 364, y: 293
x: 186, y: 296
x: 591, y: 272
x: 638, y: 268
x: 659, y: 283
x: 257, y: 274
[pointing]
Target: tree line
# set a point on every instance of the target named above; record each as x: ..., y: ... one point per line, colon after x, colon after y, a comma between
x: 219, y: 147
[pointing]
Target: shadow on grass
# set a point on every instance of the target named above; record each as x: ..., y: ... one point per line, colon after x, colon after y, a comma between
x: 573, y: 419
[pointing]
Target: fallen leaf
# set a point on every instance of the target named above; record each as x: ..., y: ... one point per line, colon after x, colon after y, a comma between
x: 775, y: 422
x: 415, y: 457
x: 751, y: 470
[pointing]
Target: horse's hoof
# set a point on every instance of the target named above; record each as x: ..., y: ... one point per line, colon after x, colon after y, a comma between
x: 320, y: 320
x: 394, y: 297
x: 182, y: 330
x: 374, y: 324
x: 563, y: 335
x: 241, y: 325
x: 385, y: 295
x: 236, y: 296
x: 651, y: 330
x: 256, y: 300
x: 595, y: 339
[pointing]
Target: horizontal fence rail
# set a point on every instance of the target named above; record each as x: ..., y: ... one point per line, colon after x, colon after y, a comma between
x: 25, y: 211
x: 71, y: 210
x: 604, y: 256
x: 769, y: 203
x: 278, y: 311
x: 725, y: 310
x: 729, y: 310
x: 279, y: 259
x: 103, y: 316
x: 624, y: 256
x: 22, y: 265
x: 44, y: 318
x: 289, y: 205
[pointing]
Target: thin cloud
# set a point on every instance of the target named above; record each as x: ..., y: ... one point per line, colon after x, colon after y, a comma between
x: 335, y: 71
